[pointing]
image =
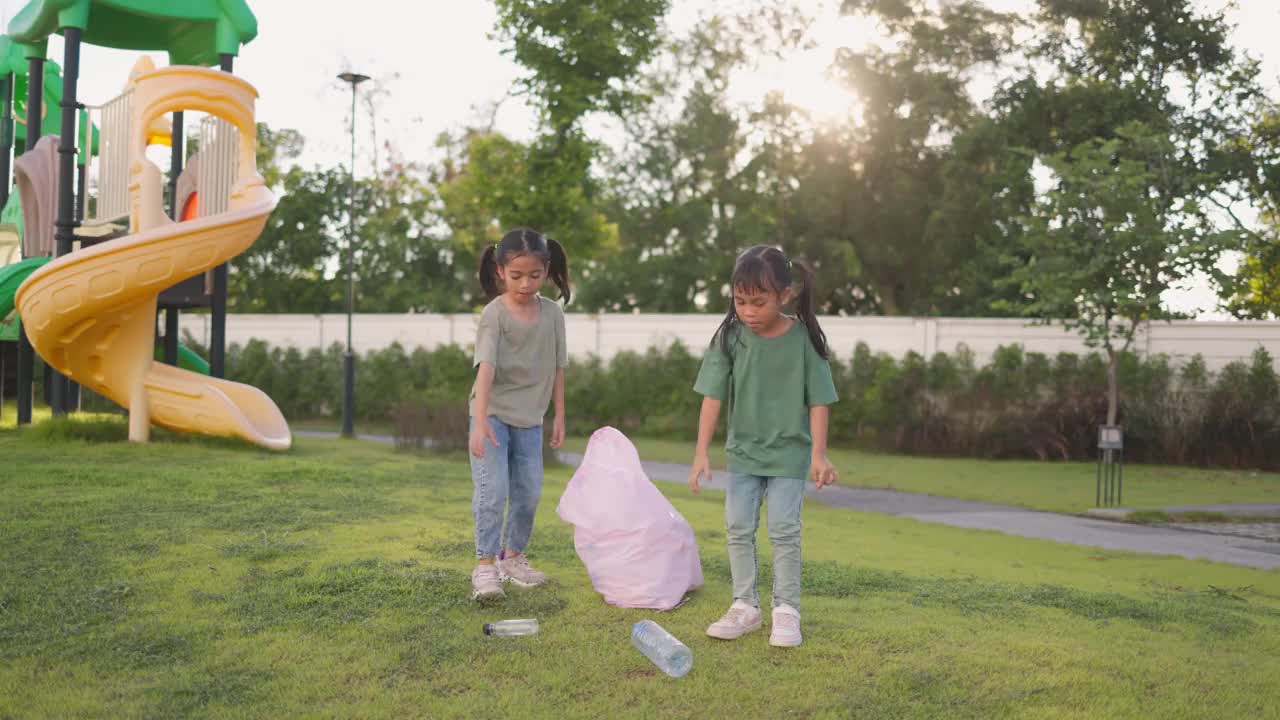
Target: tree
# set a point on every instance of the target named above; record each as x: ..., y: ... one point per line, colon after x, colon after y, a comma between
x: 869, y: 203
x: 697, y: 179
x: 1111, y: 237
x: 277, y: 149
x: 1163, y: 63
x: 292, y: 266
x: 298, y: 264
x: 579, y: 55
x: 1255, y: 290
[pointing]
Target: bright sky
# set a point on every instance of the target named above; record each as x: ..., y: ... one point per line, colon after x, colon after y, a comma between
x: 439, y: 68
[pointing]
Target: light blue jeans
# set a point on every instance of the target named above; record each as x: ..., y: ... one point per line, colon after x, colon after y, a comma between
x: 508, y: 478
x: 784, y: 497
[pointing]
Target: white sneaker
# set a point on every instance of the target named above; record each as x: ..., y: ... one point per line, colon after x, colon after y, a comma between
x: 786, y: 627
x: 740, y: 620
x: 486, y: 583
x: 518, y: 571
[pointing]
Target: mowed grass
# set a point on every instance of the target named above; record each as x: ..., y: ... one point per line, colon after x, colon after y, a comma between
x: 191, y: 578
x: 1050, y: 486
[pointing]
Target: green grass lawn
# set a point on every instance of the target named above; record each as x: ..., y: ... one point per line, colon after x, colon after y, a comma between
x: 191, y: 578
x: 1051, y: 486
x: 363, y: 427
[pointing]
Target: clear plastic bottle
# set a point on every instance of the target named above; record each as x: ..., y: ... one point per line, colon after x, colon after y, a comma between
x: 511, y: 628
x: 669, y: 654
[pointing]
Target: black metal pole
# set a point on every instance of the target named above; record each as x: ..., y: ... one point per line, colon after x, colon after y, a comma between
x: 6, y: 157
x: 26, y: 354
x: 171, y: 336
x: 64, y: 228
x: 1098, y: 487
x: 175, y: 164
x: 82, y: 188
x: 349, y: 359
x: 218, y: 328
x: 6, y: 137
x: 1120, y: 477
x: 6, y: 168
x: 74, y: 390
x: 175, y: 212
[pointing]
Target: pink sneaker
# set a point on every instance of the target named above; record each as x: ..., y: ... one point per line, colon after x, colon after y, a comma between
x: 738, y: 621
x: 786, y: 627
x: 485, y: 583
x: 518, y: 571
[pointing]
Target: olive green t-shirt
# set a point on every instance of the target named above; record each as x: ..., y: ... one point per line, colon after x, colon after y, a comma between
x: 774, y: 382
x: 525, y: 358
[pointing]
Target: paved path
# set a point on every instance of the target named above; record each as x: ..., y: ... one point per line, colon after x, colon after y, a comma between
x: 1077, y: 530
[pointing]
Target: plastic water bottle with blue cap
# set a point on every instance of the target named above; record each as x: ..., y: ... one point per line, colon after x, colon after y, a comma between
x: 662, y: 648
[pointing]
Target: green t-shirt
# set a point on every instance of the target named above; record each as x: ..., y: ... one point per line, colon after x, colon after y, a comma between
x: 525, y: 358
x: 774, y: 383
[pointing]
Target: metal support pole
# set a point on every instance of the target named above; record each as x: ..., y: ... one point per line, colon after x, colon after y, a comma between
x: 349, y: 358
x: 26, y: 354
x: 1120, y: 477
x: 218, y: 329
x: 64, y: 228
x: 1097, y: 502
x: 175, y: 211
x: 6, y: 137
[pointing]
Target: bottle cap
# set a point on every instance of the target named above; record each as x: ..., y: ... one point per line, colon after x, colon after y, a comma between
x: 488, y: 629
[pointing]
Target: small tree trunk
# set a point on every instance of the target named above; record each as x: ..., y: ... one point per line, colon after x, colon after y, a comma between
x: 1113, y: 390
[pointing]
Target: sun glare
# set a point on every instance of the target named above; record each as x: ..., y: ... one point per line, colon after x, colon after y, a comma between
x: 804, y: 78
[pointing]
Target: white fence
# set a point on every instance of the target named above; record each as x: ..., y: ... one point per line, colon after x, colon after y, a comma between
x: 112, y: 163
x: 219, y: 163
x: 606, y: 335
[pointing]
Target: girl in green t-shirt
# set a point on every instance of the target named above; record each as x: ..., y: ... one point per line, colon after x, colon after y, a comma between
x: 520, y: 359
x: 772, y: 369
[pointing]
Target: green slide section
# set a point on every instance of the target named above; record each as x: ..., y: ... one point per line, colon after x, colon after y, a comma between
x: 11, y: 278
x: 188, y: 359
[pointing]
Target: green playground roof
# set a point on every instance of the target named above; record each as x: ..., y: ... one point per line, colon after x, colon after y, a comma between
x: 193, y: 32
x: 13, y: 60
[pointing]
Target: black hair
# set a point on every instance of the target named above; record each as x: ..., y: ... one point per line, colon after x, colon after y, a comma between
x: 524, y: 242
x: 764, y: 268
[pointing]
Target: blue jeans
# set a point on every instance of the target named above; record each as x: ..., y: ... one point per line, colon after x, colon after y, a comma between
x: 507, y: 478
x: 742, y: 518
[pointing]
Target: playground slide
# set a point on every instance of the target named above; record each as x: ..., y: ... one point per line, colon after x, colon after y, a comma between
x: 12, y: 276
x: 91, y: 314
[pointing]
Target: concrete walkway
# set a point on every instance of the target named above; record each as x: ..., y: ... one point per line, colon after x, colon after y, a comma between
x: 1077, y: 530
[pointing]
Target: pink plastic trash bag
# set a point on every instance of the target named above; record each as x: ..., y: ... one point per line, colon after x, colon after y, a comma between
x: 639, y: 552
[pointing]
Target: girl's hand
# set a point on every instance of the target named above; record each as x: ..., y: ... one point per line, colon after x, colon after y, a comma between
x: 701, y: 466
x: 479, y: 433
x: 557, y: 432
x: 822, y: 472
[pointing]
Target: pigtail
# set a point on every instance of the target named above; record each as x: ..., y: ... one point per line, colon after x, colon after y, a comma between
x: 559, y: 268
x: 489, y: 272
x: 805, y: 308
x: 728, y: 327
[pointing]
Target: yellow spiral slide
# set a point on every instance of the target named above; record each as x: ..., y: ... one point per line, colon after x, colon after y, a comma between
x: 91, y: 314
